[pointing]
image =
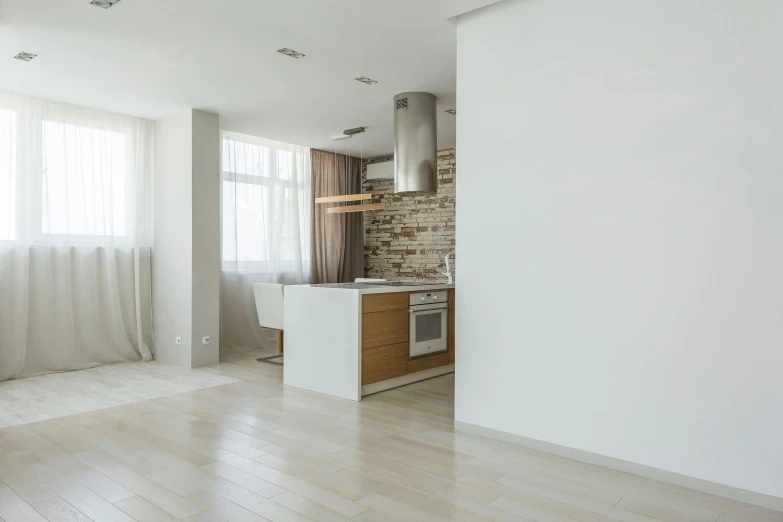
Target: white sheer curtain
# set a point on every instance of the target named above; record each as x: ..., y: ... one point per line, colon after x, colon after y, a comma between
x: 266, y: 228
x: 75, y: 237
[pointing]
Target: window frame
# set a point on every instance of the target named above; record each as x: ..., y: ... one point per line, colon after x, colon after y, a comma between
x: 272, y: 182
x: 29, y: 177
x: 83, y: 239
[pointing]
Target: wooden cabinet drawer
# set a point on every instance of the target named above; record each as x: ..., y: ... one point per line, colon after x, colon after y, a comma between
x: 383, y: 302
x: 384, y: 362
x: 384, y: 328
x: 425, y: 363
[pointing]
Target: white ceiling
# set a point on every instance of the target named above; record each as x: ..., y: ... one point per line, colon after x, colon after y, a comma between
x: 151, y: 58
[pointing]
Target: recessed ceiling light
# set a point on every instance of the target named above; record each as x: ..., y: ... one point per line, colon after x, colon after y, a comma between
x: 368, y: 81
x: 452, y: 111
x: 290, y: 52
x: 104, y: 4
x: 25, y: 57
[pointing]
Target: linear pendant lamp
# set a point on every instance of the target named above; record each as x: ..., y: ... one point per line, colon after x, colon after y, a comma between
x: 346, y: 198
x: 356, y: 208
x: 343, y: 198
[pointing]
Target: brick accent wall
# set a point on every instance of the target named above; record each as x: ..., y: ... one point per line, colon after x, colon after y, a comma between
x: 408, y: 240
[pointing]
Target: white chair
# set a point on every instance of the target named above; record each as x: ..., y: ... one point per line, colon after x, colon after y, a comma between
x: 269, y: 305
x: 369, y: 280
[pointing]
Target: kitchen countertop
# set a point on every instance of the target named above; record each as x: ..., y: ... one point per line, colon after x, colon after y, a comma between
x: 383, y: 288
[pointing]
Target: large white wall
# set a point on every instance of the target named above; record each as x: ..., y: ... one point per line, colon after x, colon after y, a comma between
x: 186, y: 252
x: 621, y: 231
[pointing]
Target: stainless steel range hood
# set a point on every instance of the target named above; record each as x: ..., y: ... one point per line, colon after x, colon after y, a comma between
x: 415, y: 144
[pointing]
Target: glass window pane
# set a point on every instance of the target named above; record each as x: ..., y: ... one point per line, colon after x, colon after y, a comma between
x: 7, y: 175
x: 83, y: 183
x: 245, y: 222
x: 285, y: 164
x: 246, y: 158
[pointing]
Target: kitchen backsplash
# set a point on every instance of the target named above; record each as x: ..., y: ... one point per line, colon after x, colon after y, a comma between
x: 409, y: 238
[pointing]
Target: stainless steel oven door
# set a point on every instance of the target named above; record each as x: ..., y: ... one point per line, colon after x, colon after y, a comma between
x: 428, y: 330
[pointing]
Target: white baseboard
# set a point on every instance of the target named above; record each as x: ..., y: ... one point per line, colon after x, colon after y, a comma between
x: 404, y: 380
x: 759, y: 500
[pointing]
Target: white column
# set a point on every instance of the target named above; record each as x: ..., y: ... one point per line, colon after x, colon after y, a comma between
x: 186, y: 251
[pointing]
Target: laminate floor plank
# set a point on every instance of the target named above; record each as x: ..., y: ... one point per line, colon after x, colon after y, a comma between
x: 228, y: 466
x: 224, y: 508
x: 308, y: 508
x: 140, y: 484
x: 80, y: 497
x: 143, y: 511
x: 27, y: 487
x: 264, y: 507
x: 13, y: 508
x: 58, y: 510
x: 103, y: 486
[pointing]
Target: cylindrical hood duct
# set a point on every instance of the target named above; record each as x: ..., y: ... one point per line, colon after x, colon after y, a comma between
x: 415, y: 144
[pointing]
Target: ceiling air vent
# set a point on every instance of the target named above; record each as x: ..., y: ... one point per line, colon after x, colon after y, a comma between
x: 402, y: 103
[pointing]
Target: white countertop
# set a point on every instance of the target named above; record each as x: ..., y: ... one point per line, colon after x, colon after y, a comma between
x: 380, y: 288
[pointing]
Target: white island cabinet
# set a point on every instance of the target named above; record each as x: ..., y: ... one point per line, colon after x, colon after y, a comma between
x: 352, y: 339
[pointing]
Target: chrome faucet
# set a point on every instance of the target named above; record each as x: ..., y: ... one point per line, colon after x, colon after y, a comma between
x: 448, y: 272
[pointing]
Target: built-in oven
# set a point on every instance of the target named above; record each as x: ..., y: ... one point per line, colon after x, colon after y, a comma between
x: 429, y: 316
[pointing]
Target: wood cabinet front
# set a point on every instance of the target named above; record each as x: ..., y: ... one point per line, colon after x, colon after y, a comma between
x: 383, y: 302
x: 385, y: 331
x: 425, y: 363
x: 385, y: 362
x: 384, y: 328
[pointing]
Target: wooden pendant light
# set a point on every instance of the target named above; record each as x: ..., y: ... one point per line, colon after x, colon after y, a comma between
x: 355, y: 208
x: 343, y: 198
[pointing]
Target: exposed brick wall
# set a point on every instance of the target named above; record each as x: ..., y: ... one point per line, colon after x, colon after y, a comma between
x: 409, y: 238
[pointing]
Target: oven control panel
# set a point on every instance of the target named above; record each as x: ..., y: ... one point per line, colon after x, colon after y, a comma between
x: 422, y: 298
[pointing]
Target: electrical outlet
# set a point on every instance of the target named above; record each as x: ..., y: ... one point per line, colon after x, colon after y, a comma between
x: 206, y: 340
x: 178, y: 340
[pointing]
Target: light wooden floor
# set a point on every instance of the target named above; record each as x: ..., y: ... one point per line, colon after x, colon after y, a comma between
x: 254, y: 450
x: 45, y: 397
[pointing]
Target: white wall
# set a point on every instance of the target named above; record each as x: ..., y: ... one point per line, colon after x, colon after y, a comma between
x: 621, y: 231
x: 172, y: 267
x: 206, y: 237
x: 186, y: 252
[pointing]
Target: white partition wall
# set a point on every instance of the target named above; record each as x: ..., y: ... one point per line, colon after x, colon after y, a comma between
x: 621, y: 161
x: 186, y: 252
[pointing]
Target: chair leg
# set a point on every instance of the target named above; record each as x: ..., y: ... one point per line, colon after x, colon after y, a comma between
x: 280, y: 341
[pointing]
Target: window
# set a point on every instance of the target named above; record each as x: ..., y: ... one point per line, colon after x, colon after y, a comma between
x: 83, y: 181
x: 7, y: 175
x: 266, y: 216
x: 73, y: 176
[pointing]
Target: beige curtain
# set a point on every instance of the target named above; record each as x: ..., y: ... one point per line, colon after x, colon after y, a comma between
x: 337, y: 250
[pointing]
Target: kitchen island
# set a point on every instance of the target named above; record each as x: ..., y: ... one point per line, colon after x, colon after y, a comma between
x: 353, y: 339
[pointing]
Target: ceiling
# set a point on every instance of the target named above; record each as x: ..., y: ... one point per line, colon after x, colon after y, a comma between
x: 151, y: 58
